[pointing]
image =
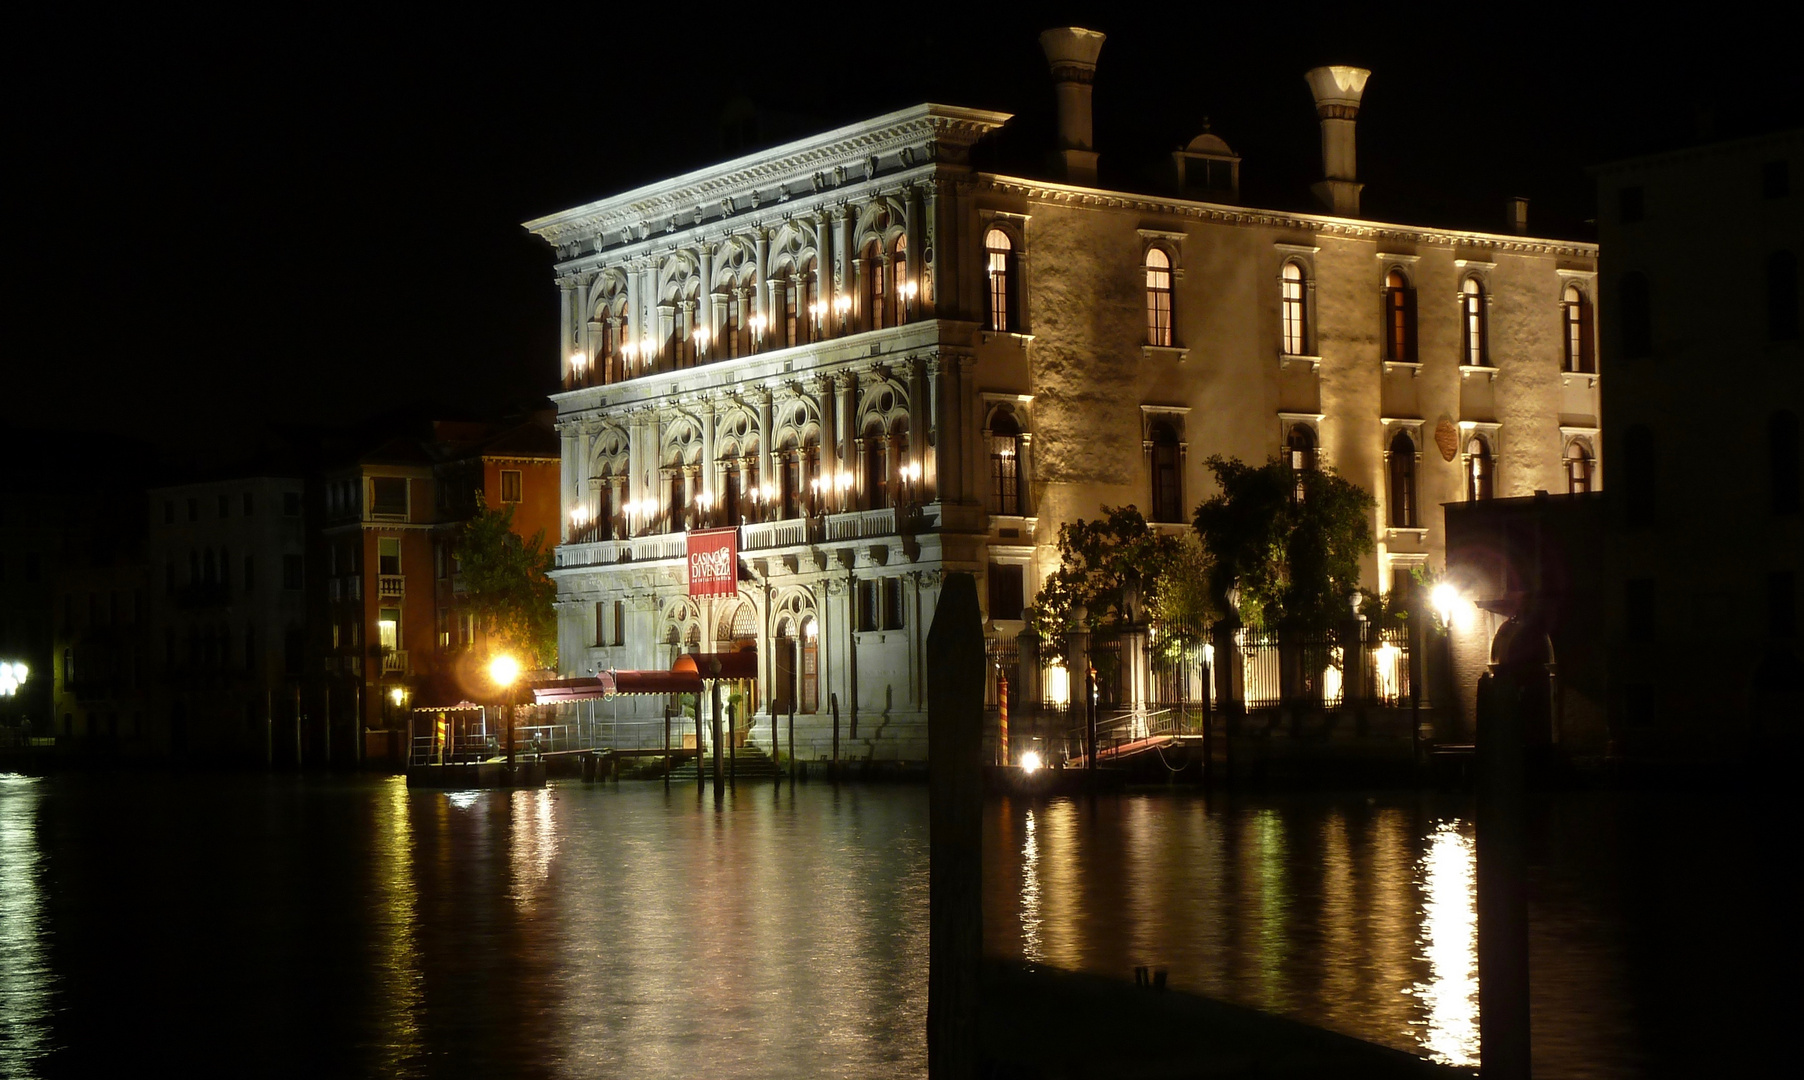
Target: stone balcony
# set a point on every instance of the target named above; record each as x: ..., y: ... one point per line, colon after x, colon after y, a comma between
x: 760, y: 536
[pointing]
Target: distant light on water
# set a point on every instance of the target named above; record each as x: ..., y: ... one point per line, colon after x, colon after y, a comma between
x: 1030, y: 762
x: 1031, y: 947
x: 1448, y: 876
x: 25, y: 979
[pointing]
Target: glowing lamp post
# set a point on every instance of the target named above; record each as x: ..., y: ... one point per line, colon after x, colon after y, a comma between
x: 758, y: 324
x: 503, y: 670
x: 12, y: 677
x: 843, y: 307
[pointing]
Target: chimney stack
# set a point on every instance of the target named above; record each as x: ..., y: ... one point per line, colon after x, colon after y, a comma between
x: 1071, y: 53
x: 1337, y: 90
x: 1516, y: 212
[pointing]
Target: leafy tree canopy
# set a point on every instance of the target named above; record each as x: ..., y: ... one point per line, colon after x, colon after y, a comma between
x: 505, y: 585
x: 1114, y: 561
x: 1290, y: 543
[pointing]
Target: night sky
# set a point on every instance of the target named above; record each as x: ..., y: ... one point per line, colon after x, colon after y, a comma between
x: 219, y: 222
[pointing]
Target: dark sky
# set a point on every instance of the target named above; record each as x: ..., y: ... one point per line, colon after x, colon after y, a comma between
x: 218, y: 222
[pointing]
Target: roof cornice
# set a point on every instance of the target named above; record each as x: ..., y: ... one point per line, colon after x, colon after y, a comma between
x: 1319, y: 224
x: 953, y: 127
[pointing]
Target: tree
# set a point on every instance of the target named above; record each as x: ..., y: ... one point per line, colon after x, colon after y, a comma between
x: 1290, y: 542
x: 505, y: 585
x: 1110, y: 565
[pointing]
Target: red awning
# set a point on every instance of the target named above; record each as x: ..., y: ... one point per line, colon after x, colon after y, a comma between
x: 684, y: 677
x: 657, y: 682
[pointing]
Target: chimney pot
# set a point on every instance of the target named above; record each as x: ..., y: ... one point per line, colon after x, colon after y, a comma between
x: 1071, y: 53
x: 1516, y: 213
x: 1337, y: 90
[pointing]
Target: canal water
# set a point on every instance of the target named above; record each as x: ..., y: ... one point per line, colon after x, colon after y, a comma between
x: 349, y: 927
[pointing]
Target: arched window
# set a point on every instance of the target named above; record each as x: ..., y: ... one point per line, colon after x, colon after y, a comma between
x: 1476, y: 349
x: 1293, y: 317
x: 1300, y: 448
x: 1399, y: 318
x: 1782, y: 296
x: 899, y: 283
x: 1168, y: 475
x: 1578, y: 469
x: 1784, y: 465
x: 734, y: 328
x: 875, y: 292
x: 1158, y: 298
x: 1000, y: 265
x: 1403, y: 481
x: 1640, y: 487
x: 1581, y: 355
x: 1005, y: 465
x: 1479, y: 466
x: 1637, y: 317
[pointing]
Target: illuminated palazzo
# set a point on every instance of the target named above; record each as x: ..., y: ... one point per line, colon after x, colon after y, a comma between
x: 881, y: 361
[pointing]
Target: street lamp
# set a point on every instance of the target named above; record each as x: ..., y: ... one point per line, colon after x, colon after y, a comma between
x: 12, y: 676
x: 503, y: 670
x: 1444, y: 597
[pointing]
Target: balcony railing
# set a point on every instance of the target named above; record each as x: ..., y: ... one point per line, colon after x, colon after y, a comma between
x: 394, y: 662
x: 763, y: 535
x: 861, y: 524
x: 390, y: 586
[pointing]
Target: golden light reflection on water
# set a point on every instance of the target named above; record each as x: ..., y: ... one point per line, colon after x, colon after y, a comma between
x: 397, y: 949
x: 25, y: 997
x: 1447, y: 873
x: 532, y: 844
x: 1031, y: 949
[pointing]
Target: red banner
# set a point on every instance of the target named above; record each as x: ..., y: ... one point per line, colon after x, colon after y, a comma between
x: 714, y: 562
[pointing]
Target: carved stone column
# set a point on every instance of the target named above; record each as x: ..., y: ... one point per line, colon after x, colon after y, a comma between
x: 759, y: 274
x: 565, y: 307
x: 709, y: 479
x: 766, y: 436
x: 911, y: 217
x: 847, y: 385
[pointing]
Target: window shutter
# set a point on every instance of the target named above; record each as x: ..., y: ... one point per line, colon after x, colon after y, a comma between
x: 1014, y: 293
x: 1587, y: 357
x: 1409, y: 325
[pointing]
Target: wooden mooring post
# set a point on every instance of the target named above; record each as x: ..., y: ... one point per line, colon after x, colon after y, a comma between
x: 834, y: 767
x: 955, y: 677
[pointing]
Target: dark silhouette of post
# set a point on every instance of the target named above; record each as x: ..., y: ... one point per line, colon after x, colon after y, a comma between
x: 955, y: 677
x: 732, y: 741
x: 1509, y: 695
x: 714, y: 732
x: 833, y: 700
x: 792, y: 739
x: 1090, y: 718
x: 667, y: 746
x: 701, y: 774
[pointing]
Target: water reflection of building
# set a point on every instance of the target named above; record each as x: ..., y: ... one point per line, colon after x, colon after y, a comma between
x: 882, y: 353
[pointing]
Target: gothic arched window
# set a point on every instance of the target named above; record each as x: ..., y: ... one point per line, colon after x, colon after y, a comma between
x: 1000, y: 263
x: 1637, y: 317
x: 1300, y: 449
x: 1475, y: 346
x: 1005, y: 465
x: 1168, y: 474
x: 1578, y: 469
x: 1781, y: 296
x: 1158, y: 298
x: 1292, y: 317
x: 1399, y: 318
x: 1479, y: 467
x: 875, y: 291
x: 1581, y: 354
x: 1403, y: 481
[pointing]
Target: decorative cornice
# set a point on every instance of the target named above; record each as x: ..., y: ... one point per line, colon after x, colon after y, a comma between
x: 846, y: 149
x: 1321, y: 225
